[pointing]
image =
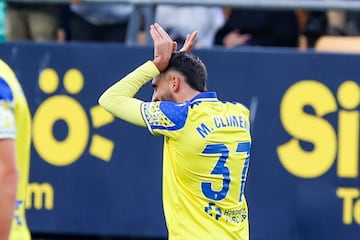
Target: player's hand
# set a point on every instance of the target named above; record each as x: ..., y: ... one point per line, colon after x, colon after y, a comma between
x: 189, y: 42
x: 164, y: 46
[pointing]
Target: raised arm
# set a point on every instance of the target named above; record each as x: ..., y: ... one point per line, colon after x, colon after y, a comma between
x: 119, y: 98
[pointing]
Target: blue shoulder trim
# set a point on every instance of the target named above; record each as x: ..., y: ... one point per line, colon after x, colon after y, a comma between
x: 5, y: 91
x: 173, y: 116
x: 167, y: 115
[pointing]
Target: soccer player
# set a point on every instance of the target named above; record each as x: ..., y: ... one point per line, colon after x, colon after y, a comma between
x: 15, y: 141
x: 206, y: 141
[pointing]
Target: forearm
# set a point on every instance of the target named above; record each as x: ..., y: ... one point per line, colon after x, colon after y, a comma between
x: 8, y: 186
x: 7, y: 203
x: 119, y: 98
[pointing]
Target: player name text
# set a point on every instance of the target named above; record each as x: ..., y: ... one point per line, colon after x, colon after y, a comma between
x: 222, y: 122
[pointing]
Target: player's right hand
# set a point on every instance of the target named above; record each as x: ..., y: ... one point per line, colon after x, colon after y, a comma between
x: 164, y: 46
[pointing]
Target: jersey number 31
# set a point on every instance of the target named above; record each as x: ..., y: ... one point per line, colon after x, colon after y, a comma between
x: 221, y: 169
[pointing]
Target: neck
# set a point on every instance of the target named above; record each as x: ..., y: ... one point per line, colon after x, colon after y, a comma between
x: 186, y: 95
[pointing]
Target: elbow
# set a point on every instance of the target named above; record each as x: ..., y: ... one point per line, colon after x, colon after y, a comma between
x: 10, y: 177
x: 13, y: 175
x: 103, y: 100
x: 14, y: 178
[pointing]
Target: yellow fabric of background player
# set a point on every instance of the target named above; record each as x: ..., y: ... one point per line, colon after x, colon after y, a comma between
x: 22, y: 134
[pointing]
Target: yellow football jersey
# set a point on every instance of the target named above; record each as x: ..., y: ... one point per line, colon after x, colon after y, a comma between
x: 15, y: 123
x: 206, y: 158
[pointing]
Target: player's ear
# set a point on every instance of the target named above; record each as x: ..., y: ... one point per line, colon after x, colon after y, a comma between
x: 175, y: 81
x: 174, y: 46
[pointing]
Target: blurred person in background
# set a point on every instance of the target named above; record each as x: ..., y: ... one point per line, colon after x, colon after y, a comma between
x: 2, y: 21
x: 15, y: 138
x: 99, y: 22
x: 315, y: 26
x: 343, y: 23
x: 178, y: 21
x: 206, y: 141
x: 257, y: 27
x: 30, y: 21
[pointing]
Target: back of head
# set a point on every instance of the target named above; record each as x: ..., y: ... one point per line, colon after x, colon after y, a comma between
x: 191, y: 67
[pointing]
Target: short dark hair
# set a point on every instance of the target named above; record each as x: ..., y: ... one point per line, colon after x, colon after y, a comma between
x: 191, y: 67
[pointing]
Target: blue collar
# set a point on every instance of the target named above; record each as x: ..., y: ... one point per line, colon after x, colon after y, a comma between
x: 205, y: 96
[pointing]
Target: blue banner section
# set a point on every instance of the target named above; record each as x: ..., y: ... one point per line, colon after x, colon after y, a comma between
x: 93, y: 174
